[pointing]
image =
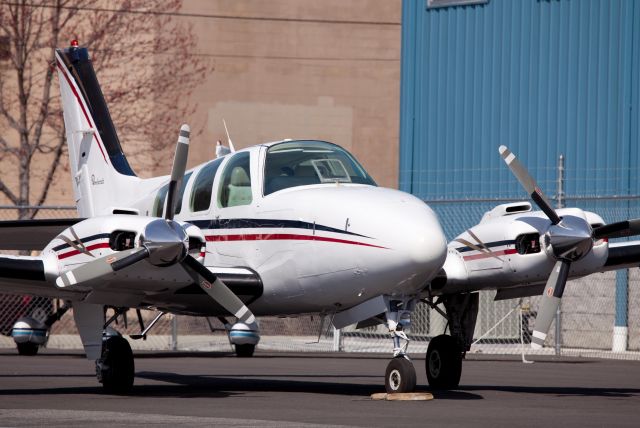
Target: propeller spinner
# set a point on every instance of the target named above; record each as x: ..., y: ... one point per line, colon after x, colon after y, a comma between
x: 569, y: 239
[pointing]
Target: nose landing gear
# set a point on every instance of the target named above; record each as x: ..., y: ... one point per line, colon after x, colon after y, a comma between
x: 400, y: 375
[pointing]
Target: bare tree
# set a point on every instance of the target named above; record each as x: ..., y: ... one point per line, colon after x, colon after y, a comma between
x: 144, y: 59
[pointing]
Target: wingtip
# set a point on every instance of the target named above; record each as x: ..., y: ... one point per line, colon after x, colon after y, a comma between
x: 185, y: 127
x: 502, y: 149
x: 59, y: 282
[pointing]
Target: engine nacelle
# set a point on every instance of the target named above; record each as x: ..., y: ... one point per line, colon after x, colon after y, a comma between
x: 244, y: 334
x: 29, y: 332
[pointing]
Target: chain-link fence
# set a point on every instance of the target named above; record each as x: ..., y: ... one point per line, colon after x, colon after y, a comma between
x: 503, y: 327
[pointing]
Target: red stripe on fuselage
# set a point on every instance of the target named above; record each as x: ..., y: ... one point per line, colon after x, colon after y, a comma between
x: 283, y: 237
x: 487, y: 255
x: 86, y: 116
x: 89, y: 248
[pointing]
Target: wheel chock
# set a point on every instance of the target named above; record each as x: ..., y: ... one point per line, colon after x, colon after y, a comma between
x: 403, y: 396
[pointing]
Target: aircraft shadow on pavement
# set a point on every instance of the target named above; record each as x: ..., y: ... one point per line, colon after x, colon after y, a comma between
x: 290, y: 383
x: 565, y: 391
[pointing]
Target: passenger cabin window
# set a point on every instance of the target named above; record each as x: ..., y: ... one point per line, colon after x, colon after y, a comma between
x: 158, y: 203
x: 235, y: 183
x: 203, y: 186
x: 161, y: 197
x: 183, y: 187
x: 301, y: 163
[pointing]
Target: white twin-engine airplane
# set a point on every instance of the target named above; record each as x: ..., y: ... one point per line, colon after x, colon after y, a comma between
x: 284, y: 228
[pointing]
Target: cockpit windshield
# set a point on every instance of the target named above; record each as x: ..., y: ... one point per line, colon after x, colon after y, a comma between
x: 300, y: 163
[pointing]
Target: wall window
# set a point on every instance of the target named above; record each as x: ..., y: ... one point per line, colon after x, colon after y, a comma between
x: 432, y: 4
x: 235, y: 184
x: 203, y: 186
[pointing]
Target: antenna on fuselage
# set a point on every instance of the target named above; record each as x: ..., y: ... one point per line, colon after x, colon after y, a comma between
x: 233, y: 149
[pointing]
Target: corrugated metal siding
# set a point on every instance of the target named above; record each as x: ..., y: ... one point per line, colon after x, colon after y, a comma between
x: 542, y: 77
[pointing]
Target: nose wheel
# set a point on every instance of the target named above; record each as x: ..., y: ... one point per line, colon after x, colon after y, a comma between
x: 400, y: 375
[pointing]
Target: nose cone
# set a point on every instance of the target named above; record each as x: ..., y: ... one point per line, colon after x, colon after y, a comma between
x: 418, y: 236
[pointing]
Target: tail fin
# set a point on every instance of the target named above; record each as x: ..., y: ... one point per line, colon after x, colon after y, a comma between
x: 102, y: 177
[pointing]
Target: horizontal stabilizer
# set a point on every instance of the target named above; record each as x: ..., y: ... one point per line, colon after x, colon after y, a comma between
x: 32, y: 234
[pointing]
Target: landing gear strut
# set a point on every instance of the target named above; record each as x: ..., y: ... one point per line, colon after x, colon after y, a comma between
x: 400, y: 375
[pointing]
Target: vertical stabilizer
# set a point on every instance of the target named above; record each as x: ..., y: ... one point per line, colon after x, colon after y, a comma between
x: 102, y: 177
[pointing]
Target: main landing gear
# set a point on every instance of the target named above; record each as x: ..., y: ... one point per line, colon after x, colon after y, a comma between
x: 115, y: 369
x: 445, y: 353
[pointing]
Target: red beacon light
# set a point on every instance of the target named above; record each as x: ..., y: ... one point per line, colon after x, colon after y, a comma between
x: 74, y: 43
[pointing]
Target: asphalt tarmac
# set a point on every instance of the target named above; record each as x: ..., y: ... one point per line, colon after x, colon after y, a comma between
x: 302, y: 390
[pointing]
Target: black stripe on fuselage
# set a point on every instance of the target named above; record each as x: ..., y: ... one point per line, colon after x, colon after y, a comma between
x: 486, y: 245
x: 251, y: 223
x: 21, y: 269
x: 83, y: 240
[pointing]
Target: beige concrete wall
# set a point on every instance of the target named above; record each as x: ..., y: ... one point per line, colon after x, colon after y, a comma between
x: 311, y: 69
x: 312, y: 72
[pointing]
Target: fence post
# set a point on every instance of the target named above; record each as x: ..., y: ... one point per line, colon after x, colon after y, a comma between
x: 559, y: 204
x: 337, y: 340
x: 174, y: 333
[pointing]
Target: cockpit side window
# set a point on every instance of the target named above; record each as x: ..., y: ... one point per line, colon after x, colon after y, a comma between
x: 235, y: 183
x: 301, y: 163
x: 203, y: 186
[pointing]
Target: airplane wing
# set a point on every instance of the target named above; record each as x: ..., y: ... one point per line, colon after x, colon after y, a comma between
x: 623, y: 255
x: 27, y: 275
x: 32, y: 234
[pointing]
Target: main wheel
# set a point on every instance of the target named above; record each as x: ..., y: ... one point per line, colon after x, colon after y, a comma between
x: 400, y: 376
x: 443, y: 363
x: 115, y: 369
x: 27, y: 348
x: 245, y: 351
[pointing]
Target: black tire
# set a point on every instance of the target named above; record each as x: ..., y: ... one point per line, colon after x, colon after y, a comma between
x: 443, y: 363
x: 245, y: 351
x: 116, y: 369
x: 27, y: 348
x: 400, y: 376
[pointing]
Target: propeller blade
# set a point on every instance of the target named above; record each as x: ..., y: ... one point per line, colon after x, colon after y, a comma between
x: 101, y: 267
x: 177, y: 171
x: 528, y: 183
x: 620, y: 229
x: 219, y: 291
x: 550, y: 301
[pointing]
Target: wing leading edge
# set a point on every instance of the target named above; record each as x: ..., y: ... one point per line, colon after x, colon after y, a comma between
x: 32, y: 234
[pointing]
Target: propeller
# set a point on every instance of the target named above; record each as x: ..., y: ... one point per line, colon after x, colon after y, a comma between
x: 569, y: 238
x: 164, y: 242
x: 177, y: 170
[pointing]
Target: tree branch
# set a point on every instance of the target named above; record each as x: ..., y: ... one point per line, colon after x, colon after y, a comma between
x: 8, y: 193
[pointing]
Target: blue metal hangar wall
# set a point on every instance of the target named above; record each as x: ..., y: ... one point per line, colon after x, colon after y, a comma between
x: 543, y: 77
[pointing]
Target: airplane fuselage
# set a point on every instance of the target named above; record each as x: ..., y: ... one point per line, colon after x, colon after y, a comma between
x: 316, y: 247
